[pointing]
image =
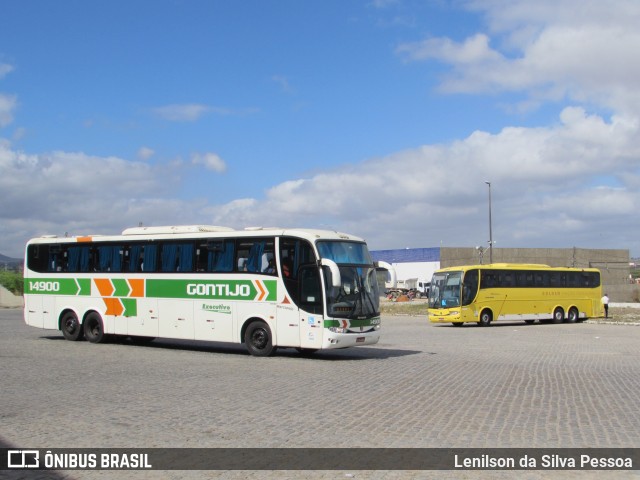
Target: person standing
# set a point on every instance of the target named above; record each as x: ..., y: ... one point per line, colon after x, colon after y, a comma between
x: 605, y: 303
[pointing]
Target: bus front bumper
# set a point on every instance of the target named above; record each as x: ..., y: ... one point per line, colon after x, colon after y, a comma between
x: 439, y: 316
x: 350, y: 339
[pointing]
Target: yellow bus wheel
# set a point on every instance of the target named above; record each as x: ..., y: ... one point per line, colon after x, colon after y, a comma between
x: 485, y: 318
x: 572, y: 316
x: 558, y: 315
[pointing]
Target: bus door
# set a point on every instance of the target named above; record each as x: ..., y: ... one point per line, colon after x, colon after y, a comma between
x: 311, y: 324
x: 299, y: 312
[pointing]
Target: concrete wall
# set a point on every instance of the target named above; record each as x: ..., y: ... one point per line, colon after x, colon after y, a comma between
x: 613, y: 264
x: 9, y: 300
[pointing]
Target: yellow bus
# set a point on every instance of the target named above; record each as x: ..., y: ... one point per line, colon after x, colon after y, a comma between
x: 483, y: 294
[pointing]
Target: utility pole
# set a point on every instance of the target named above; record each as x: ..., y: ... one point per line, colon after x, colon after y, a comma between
x: 490, y: 228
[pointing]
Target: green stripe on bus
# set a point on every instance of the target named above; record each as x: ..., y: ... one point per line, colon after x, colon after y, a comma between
x: 58, y: 286
x: 121, y: 287
x: 130, y: 307
x: 212, y: 289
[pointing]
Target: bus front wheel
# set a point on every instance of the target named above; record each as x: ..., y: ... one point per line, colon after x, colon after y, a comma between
x: 258, y: 340
x: 71, y: 327
x: 93, y: 328
x: 485, y: 318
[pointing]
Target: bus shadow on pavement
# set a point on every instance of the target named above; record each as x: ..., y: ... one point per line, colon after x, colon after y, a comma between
x: 504, y: 324
x: 349, y: 353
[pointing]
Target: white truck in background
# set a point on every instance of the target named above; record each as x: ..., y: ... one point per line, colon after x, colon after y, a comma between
x: 412, y: 287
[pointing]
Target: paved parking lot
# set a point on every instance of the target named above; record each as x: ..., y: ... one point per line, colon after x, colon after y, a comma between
x: 423, y: 385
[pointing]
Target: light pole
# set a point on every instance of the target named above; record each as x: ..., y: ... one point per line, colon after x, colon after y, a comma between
x: 490, y: 232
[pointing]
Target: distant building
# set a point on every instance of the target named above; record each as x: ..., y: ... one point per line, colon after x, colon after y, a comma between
x: 410, y: 263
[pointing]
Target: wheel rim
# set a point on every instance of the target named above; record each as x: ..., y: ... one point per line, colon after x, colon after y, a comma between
x: 94, y: 328
x: 71, y: 325
x: 259, y: 338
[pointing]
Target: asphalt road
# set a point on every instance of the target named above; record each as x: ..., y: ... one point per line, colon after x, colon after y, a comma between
x: 423, y: 385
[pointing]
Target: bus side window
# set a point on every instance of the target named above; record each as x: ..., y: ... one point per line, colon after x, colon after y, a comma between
x: 57, y: 259
x: 469, y: 287
x: 37, y: 258
x: 254, y: 254
x: 133, y: 255
x: 177, y: 257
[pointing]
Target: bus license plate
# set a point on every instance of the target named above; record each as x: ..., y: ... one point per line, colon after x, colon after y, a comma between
x: 360, y: 340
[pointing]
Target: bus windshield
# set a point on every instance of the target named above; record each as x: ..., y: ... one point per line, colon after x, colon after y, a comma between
x: 358, y: 295
x: 445, y: 290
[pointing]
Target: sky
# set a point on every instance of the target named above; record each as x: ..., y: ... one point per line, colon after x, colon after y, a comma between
x: 380, y: 118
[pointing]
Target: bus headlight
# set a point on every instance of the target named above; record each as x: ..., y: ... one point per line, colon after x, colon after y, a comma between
x: 337, y: 330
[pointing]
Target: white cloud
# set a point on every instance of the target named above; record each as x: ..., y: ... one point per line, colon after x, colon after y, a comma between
x: 542, y: 183
x: 78, y: 193
x: 191, y: 112
x: 145, y: 153
x: 283, y: 82
x: 553, y: 186
x: 8, y: 104
x: 210, y: 161
x: 182, y: 113
x: 546, y: 49
x: 5, y: 68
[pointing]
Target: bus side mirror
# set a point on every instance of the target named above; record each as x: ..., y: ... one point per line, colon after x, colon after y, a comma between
x: 336, y: 281
x: 388, y: 267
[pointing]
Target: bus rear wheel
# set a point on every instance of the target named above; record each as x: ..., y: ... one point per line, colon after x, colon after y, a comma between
x: 485, y: 318
x: 558, y: 315
x: 71, y: 327
x: 93, y: 328
x: 258, y: 339
x: 572, y: 316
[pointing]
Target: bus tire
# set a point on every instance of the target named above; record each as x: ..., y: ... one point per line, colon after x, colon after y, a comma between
x: 558, y: 315
x: 258, y: 339
x: 71, y: 327
x: 485, y: 318
x: 94, y: 328
x: 572, y: 316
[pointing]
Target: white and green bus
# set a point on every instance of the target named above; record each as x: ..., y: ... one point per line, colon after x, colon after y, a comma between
x: 266, y: 288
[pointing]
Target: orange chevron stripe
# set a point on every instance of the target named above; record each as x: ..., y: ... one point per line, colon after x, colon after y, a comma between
x: 137, y: 287
x: 84, y: 239
x: 105, y: 287
x: 114, y: 306
x: 263, y: 292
